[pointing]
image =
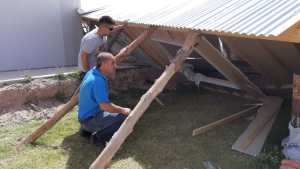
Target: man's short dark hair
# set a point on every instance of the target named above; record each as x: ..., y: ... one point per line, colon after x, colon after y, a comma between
x: 103, y: 57
x: 106, y: 20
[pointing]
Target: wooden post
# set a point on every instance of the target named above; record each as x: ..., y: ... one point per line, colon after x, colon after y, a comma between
x: 62, y: 111
x: 296, y: 101
x: 127, y: 126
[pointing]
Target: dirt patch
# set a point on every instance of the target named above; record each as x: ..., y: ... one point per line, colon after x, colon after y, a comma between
x: 16, y: 95
x: 38, y: 99
x: 28, y: 112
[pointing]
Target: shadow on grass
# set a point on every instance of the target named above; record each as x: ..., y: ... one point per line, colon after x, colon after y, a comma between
x: 81, y: 152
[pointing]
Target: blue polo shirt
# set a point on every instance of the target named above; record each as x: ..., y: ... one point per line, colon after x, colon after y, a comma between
x: 93, y: 91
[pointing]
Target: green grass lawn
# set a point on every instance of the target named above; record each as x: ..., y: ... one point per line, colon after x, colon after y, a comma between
x: 162, y: 139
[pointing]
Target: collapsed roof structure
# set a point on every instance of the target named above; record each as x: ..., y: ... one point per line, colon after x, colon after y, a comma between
x: 263, y: 33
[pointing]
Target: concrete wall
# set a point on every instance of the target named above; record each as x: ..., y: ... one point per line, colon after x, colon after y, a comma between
x: 37, y: 34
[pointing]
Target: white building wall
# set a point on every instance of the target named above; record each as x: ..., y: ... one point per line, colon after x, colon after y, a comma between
x: 38, y: 34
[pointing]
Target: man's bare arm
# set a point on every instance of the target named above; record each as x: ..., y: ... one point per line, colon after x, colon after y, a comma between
x: 85, y: 61
x: 112, y: 108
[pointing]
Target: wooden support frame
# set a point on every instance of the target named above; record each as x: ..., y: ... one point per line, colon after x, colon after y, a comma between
x: 290, y: 52
x: 215, y: 58
x: 260, y: 59
x: 127, y: 127
x: 63, y: 110
x: 149, y: 47
x: 224, y: 66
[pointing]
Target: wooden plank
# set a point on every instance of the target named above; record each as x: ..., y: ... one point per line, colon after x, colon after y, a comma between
x: 127, y: 127
x: 139, y: 40
x: 172, y: 38
x: 163, y: 51
x: 62, y: 111
x: 188, y: 72
x: 252, y: 140
x: 260, y: 59
x: 225, y: 67
x: 149, y: 48
x: 223, y: 121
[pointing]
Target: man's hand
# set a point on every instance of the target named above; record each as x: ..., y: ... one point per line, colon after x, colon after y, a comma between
x: 126, y: 111
x: 112, y: 108
x: 289, y: 164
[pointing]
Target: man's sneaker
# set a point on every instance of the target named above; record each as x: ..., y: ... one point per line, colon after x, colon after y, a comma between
x: 97, y: 141
x: 84, y: 133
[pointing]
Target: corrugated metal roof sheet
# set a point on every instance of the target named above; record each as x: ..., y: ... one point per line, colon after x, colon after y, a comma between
x: 248, y: 17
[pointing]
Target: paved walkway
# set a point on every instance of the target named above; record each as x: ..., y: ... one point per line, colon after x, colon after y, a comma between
x: 12, y: 76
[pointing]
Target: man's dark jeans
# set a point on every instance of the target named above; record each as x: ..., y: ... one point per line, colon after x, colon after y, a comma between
x: 103, y: 125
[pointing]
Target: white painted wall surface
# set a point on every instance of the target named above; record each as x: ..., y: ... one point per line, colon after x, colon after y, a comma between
x: 38, y: 34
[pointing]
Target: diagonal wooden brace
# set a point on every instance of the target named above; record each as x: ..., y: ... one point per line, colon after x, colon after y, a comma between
x: 127, y: 127
x: 64, y: 109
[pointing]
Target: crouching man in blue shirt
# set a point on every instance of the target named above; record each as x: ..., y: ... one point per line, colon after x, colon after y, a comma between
x: 97, y: 115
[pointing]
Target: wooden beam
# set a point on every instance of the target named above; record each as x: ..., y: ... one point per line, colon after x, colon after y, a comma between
x: 286, y: 53
x: 252, y: 140
x: 63, y: 110
x: 172, y: 38
x: 149, y: 47
x: 225, y: 67
x: 223, y: 121
x: 139, y: 40
x: 163, y: 51
x: 127, y: 127
x: 260, y: 59
x: 199, y: 77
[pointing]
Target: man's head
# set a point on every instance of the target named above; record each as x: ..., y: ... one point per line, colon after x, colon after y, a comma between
x: 106, y: 63
x: 105, y: 25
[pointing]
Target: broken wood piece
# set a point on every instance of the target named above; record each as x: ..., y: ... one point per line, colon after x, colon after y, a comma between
x: 223, y: 121
x: 216, y: 59
x: 199, y: 77
x: 209, y: 165
x: 133, y: 45
x: 61, y: 112
x: 225, y: 67
x: 149, y: 48
x: 252, y: 140
x: 159, y: 101
x: 127, y: 126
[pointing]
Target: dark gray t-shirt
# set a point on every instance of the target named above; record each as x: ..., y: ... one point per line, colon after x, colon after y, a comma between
x: 90, y: 43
